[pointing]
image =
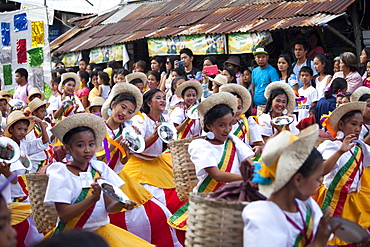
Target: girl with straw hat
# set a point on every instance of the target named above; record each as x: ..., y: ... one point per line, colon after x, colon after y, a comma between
x: 67, y: 103
x: 149, y: 218
x: 289, y: 176
x: 346, y: 185
x: 246, y: 129
x: 190, y: 92
x: 218, y: 81
x: 85, y: 207
x: 362, y: 94
x: 216, y: 158
x: 280, y: 101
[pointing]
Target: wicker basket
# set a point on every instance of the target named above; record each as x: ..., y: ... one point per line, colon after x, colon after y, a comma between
x: 183, y: 167
x: 214, y: 222
x: 45, y: 217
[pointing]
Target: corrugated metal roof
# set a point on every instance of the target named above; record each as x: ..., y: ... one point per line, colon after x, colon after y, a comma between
x: 64, y: 37
x: 162, y: 18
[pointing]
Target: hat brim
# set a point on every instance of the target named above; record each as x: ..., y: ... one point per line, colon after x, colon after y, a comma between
x: 87, y: 109
x: 39, y: 105
x: 217, y: 82
x: 29, y: 97
x: 81, y: 120
x: 122, y: 88
x: 195, y: 84
x: 290, y: 159
x: 260, y: 52
x: 66, y: 76
x: 240, y: 90
x: 340, y: 111
x: 288, y: 90
x: 30, y: 126
x: 137, y: 75
x: 357, y: 94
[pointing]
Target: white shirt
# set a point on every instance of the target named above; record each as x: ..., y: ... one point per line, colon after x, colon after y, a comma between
x: 321, y: 86
x: 178, y: 115
x: 310, y: 96
x: 254, y: 133
x: 266, y: 129
x: 328, y: 148
x: 205, y: 154
x: 265, y: 223
x: 364, y: 130
x: 56, y: 102
x: 65, y: 187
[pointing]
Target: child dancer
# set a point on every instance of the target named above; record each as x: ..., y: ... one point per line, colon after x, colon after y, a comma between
x: 290, y: 217
x: 246, y: 129
x: 85, y: 207
x: 216, y: 158
x: 346, y: 189
x: 363, y: 94
x: 148, y: 219
x: 280, y: 97
x: 191, y: 92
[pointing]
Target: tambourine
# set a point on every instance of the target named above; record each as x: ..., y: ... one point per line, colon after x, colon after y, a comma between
x: 167, y: 132
x: 136, y: 142
x: 348, y: 231
x: 9, y: 150
x: 112, y: 191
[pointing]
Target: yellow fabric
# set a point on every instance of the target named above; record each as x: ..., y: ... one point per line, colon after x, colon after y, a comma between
x: 93, y: 93
x: 356, y: 207
x: 114, y: 236
x: 134, y: 190
x: 245, y: 120
x: 20, y: 211
x: 156, y: 172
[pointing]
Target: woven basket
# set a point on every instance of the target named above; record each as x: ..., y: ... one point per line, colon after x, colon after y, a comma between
x: 183, y: 167
x: 45, y: 217
x: 214, y: 222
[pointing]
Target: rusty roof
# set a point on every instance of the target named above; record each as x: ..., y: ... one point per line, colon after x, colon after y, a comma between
x: 162, y: 18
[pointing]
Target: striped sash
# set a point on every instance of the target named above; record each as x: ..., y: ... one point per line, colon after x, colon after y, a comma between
x: 37, y: 131
x: 305, y: 239
x: 79, y: 221
x: 337, y: 192
x: 186, y: 130
x: 179, y: 218
x: 242, y: 132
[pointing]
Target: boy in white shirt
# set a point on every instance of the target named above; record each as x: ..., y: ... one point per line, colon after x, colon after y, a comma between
x: 307, y: 91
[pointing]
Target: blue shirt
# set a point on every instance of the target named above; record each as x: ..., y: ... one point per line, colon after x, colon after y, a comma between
x: 323, y: 107
x: 297, y: 68
x: 261, y: 78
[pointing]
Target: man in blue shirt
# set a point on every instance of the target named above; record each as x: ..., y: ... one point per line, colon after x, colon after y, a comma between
x: 300, y: 53
x: 262, y: 76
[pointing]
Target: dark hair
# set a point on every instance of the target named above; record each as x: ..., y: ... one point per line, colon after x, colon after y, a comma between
x: 187, y: 51
x: 183, y: 91
x: 121, y: 97
x: 367, y: 51
x: 348, y: 96
x: 161, y: 61
x: 83, y: 60
x: 336, y: 85
x: 22, y: 72
x: 301, y: 42
x: 216, y: 112
x: 68, y: 136
x: 104, y: 76
x: 123, y: 72
x: 142, y: 64
x: 84, y: 75
x: 323, y: 59
x: 312, y: 109
x: 156, y: 74
x: 147, y: 97
x: 23, y: 121
x: 92, y: 66
x: 290, y: 68
x: 114, y: 64
x: 57, y: 79
x: 232, y: 74
x: 364, y: 97
x: 62, y: 71
x: 319, y: 43
x: 348, y: 115
x: 174, y: 82
x: 311, y: 163
x: 93, y: 73
x: 69, y: 79
x: 180, y: 71
x: 274, y: 93
x: 306, y: 69
x: 172, y: 60
x: 135, y: 81
x: 212, y: 59
x: 76, y: 238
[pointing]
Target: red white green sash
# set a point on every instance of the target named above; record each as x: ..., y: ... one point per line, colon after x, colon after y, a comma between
x: 37, y: 131
x: 79, y: 221
x: 179, y: 218
x: 336, y: 195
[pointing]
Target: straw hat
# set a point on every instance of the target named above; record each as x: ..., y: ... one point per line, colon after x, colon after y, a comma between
x: 288, y: 90
x: 219, y: 79
x: 339, y: 112
x: 284, y: 154
x: 216, y: 99
x: 136, y: 75
x: 359, y: 92
x: 97, y: 101
x: 14, y: 117
x: 5, y: 94
x: 36, y: 103
x: 34, y: 91
x: 81, y: 120
x: 66, y: 76
x: 241, y: 91
x: 122, y: 88
x: 195, y: 84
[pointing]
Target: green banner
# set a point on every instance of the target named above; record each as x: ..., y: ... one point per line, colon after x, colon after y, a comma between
x: 245, y: 42
x: 7, y: 71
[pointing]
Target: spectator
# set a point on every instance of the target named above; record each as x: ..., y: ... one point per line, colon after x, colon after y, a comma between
x: 187, y: 57
x: 300, y: 53
x: 315, y: 45
x: 22, y: 90
x: 364, y: 58
x: 262, y: 76
x: 233, y: 62
x: 348, y: 71
x: 82, y: 64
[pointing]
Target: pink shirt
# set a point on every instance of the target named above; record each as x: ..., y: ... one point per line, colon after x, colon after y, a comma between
x: 354, y: 80
x: 21, y: 92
